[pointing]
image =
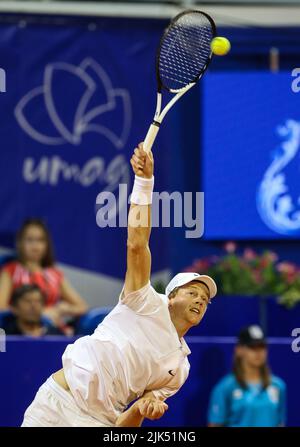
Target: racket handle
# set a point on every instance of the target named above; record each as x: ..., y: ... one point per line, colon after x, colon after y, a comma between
x: 150, y: 137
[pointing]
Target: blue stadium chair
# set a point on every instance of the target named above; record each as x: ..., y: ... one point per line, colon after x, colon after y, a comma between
x: 88, y: 322
x: 5, y: 313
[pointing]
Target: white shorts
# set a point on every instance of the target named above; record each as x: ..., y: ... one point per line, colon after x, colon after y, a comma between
x: 55, y: 407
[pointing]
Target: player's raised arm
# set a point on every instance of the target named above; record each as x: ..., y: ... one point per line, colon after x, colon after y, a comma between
x: 139, y: 222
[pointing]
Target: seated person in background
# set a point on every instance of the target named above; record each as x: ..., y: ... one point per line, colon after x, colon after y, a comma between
x: 35, y: 265
x: 27, y: 305
x: 250, y: 396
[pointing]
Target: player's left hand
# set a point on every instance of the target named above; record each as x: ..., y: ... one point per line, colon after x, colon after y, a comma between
x: 151, y: 408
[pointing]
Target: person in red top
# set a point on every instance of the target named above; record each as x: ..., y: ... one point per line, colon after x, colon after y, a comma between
x: 35, y: 265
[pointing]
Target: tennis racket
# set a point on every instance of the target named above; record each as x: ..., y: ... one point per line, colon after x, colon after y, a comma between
x: 182, y: 57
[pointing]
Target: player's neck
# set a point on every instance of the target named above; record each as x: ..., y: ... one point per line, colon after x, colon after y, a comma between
x: 181, y: 326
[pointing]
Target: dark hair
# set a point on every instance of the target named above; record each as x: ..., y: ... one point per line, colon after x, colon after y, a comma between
x: 19, y: 292
x: 48, y: 258
x: 238, y: 371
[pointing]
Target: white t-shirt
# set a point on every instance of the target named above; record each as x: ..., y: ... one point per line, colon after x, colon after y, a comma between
x: 135, y: 349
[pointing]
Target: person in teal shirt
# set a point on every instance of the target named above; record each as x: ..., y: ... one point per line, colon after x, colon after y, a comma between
x: 250, y: 396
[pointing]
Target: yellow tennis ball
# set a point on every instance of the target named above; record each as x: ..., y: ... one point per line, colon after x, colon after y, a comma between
x: 220, y: 46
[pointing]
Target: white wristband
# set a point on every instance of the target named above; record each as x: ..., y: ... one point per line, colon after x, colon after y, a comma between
x: 142, y: 191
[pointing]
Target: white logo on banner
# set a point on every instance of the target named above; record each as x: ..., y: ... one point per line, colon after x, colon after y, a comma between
x: 99, y: 100
x: 274, y: 200
x: 84, y: 115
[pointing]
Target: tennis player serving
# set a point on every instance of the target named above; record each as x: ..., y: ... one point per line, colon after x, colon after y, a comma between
x: 137, y: 355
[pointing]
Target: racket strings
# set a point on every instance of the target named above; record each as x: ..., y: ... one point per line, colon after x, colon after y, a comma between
x: 171, y: 62
x: 193, y: 36
x: 185, y: 54
x: 190, y: 38
x: 170, y: 65
x: 179, y: 68
x: 185, y: 50
x: 177, y: 81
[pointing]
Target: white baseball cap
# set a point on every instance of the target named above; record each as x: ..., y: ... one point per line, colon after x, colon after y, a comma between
x: 184, y: 278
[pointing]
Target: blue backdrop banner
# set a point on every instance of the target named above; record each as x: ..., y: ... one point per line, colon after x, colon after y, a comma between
x: 211, y: 359
x: 251, y: 143
x: 79, y: 98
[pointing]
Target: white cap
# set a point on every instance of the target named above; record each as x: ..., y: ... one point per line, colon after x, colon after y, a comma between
x: 184, y: 278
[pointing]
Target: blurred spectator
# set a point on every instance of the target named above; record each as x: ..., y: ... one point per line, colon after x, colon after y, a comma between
x: 35, y: 265
x: 251, y: 396
x: 27, y: 305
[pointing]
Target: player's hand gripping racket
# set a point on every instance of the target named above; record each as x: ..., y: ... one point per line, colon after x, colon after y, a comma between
x: 183, y: 56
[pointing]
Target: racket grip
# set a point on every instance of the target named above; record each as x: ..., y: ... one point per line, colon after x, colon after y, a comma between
x: 150, y: 137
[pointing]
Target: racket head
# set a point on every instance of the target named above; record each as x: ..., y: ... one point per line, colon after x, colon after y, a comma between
x: 184, y: 51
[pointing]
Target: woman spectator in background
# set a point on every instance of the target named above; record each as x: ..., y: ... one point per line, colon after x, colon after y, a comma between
x: 250, y: 396
x: 35, y: 265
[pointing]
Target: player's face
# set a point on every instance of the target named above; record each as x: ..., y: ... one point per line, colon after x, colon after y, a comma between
x: 30, y: 307
x: 34, y: 244
x: 190, y: 302
x: 255, y: 356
